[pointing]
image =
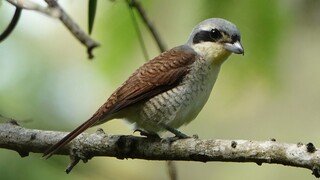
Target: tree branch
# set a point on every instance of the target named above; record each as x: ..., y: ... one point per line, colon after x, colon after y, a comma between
x: 74, y: 28
x: 30, y: 5
x: 86, y: 146
x: 56, y: 11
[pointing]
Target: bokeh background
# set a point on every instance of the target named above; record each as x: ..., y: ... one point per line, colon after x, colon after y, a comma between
x: 47, y: 82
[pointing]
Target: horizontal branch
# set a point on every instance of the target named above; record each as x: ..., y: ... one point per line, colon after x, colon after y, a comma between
x: 86, y: 146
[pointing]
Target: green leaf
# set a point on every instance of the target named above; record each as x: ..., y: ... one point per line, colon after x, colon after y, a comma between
x: 91, y: 14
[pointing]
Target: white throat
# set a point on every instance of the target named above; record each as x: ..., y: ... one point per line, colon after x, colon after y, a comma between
x: 213, y: 53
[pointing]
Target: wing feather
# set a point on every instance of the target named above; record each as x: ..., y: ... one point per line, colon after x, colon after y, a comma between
x: 154, y: 77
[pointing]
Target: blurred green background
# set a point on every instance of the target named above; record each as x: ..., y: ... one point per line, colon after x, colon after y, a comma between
x: 47, y: 82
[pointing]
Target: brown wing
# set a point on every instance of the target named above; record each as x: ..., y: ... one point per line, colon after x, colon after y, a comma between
x: 156, y: 76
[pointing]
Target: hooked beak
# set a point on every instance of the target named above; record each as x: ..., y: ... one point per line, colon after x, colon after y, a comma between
x: 235, y: 47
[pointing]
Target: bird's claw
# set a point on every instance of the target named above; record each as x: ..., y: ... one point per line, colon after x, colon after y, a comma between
x: 147, y: 134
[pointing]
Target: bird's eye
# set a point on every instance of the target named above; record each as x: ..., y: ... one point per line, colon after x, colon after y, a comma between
x: 212, y: 35
x: 215, y: 34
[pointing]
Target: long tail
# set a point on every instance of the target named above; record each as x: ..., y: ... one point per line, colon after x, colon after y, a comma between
x: 49, y: 152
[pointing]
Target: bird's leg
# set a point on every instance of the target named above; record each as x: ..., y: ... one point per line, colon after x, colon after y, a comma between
x: 147, y: 134
x: 179, y: 135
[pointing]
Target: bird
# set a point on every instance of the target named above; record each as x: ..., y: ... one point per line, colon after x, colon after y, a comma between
x: 171, y: 89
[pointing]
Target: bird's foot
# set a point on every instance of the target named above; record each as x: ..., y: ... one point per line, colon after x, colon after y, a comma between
x: 147, y: 134
x: 179, y: 135
x: 170, y: 140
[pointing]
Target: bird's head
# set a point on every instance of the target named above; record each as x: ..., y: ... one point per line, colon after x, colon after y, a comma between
x: 215, y: 39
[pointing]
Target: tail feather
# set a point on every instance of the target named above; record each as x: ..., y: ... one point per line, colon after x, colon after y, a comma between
x: 49, y: 152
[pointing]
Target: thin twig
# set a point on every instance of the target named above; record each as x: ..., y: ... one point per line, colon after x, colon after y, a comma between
x: 14, y: 21
x: 136, y: 4
x: 74, y: 28
x: 136, y: 26
x: 74, y: 161
x: 172, y: 170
